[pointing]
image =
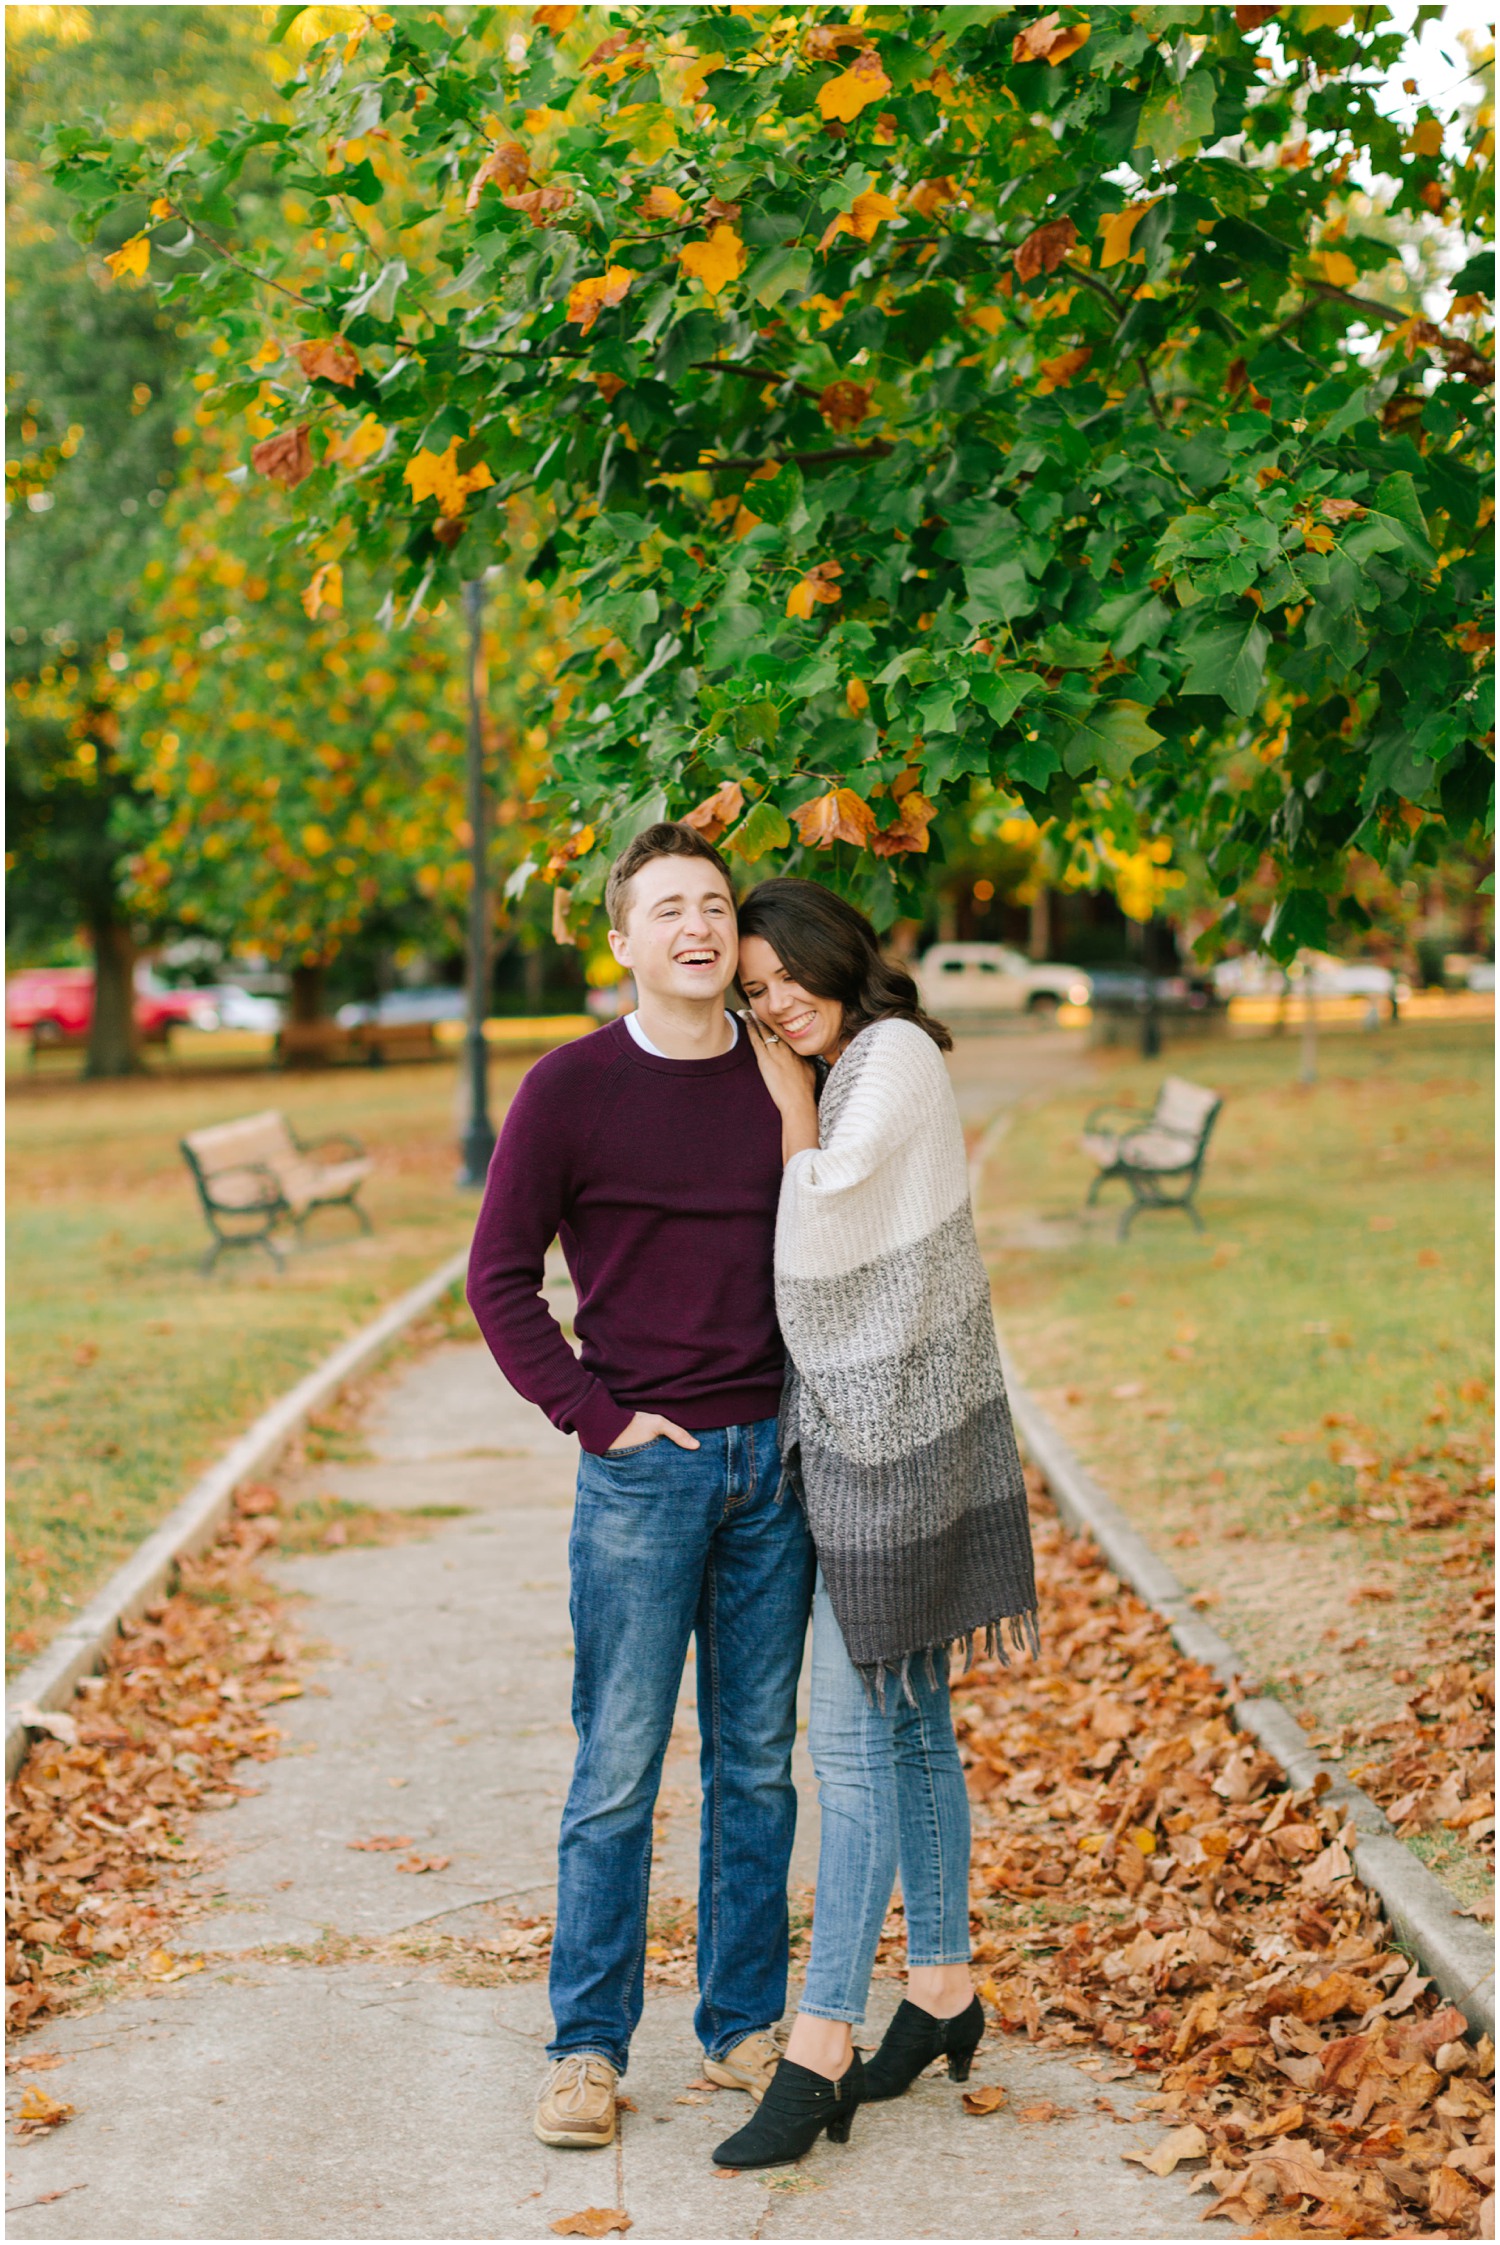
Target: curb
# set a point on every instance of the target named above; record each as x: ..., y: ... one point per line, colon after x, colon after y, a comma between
x: 52, y: 1678
x: 1457, y: 1952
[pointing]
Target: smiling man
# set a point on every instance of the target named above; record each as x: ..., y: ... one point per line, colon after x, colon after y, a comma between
x: 653, y: 1151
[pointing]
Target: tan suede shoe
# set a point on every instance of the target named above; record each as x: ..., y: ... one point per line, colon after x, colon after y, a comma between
x: 749, y: 2065
x: 577, y: 2103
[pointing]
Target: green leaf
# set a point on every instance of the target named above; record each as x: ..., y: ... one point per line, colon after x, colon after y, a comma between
x: 1108, y: 739
x: 1177, y: 116
x: 775, y: 498
x: 1397, y: 504
x: 1002, y: 692
x: 755, y: 721
x: 377, y: 301
x: 285, y: 18
x: 1298, y: 923
x: 783, y: 271
x: 1229, y: 659
x: 998, y: 590
x: 762, y: 828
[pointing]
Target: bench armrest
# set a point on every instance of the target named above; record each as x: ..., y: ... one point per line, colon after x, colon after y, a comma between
x: 339, y: 1145
x: 268, y: 1192
x: 1133, y: 1115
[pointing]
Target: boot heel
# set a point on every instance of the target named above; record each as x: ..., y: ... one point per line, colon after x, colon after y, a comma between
x: 838, y: 2129
x: 959, y: 2062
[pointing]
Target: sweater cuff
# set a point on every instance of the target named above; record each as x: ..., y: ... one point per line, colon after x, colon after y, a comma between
x: 600, y: 1421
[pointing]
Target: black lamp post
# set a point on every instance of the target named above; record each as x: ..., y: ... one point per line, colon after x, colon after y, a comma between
x: 478, y: 1141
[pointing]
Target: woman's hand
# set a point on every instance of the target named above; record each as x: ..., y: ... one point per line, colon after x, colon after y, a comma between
x: 791, y: 1082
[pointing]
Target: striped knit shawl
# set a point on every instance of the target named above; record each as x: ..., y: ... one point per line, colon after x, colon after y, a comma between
x: 895, y: 1427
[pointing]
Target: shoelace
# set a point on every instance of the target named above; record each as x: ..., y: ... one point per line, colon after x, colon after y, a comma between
x: 576, y: 2077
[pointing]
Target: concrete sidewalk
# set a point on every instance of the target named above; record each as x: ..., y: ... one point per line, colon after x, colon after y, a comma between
x: 355, y: 2097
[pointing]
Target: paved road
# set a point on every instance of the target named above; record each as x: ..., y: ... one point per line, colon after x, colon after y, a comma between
x: 361, y: 2096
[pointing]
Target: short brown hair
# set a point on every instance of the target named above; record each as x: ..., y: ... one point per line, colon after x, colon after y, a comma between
x: 667, y: 838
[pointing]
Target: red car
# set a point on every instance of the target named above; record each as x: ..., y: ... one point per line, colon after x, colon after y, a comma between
x: 55, y: 1005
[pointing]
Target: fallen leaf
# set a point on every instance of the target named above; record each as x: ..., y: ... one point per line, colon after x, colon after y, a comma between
x: 420, y: 1863
x: 594, y: 2221
x: 988, y: 2099
x: 382, y: 1843
x: 163, y: 1967
x: 1043, y: 2109
x: 38, y: 2112
x: 52, y: 1721
x: 1182, y: 2143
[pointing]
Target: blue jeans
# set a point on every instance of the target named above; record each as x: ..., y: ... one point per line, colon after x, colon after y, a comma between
x: 668, y: 1544
x: 891, y: 1788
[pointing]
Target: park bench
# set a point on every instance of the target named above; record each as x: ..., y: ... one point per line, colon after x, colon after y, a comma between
x: 1159, y: 1153
x: 321, y: 1044
x: 255, y: 1173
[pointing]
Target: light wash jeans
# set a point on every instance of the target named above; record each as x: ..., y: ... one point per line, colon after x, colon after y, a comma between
x: 668, y: 1544
x: 891, y: 1789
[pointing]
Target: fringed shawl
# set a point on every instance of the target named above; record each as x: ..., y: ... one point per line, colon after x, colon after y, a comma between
x: 895, y: 1428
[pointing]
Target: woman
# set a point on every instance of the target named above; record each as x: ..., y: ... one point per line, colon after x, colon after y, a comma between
x: 896, y: 1433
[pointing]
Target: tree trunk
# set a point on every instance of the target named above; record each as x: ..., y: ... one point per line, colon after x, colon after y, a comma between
x: 114, y: 1047
x: 307, y: 993
x: 1039, y: 941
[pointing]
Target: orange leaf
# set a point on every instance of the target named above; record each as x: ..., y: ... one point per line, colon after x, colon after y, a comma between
x: 325, y: 589
x: 1183, y: 2143
x: 817, y: 587
x: 1058, y: 373
x: 988, y: 2099
x: 929, y: 196
x: 587, y: 299
x: 541, y: 204
x: 661, y: 202
x: 1047, y: 40
x: 856, y: 697
x: 286, y: 458
x: 716, y: 812
x: 594, y: 2221
x: 561, y: 900
x: 863, y: 82
x: 507, y: 166
x: 425, y: 1863
x: 910, y: 830
x: 844, y: 405
x: 554, y: 19
x: 715, y: 262
x: 841, y: 816
x: 1045, y: 248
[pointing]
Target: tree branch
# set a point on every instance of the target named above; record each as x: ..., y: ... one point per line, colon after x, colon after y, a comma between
x: 239, y: 264
x: 1116, y: 303
x: 769, y: 373
x: 875, y: 450
x: 1156, y: 412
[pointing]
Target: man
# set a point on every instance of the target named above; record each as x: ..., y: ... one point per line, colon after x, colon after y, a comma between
x: 653, y: 1150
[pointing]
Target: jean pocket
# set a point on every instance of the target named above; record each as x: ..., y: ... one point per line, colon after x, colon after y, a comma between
x: 631, y: 1450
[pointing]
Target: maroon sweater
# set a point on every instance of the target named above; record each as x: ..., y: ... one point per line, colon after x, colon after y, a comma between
x: 661, y: 1179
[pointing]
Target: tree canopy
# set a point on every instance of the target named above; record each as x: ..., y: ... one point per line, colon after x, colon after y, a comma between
x: 911, y: 397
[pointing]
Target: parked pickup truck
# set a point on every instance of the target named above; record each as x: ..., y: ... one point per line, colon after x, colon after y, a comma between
x: 962, y: 978
x: 55, y: 1005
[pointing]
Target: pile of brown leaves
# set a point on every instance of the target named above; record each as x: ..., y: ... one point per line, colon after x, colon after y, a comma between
x: 97, y: 1815
x: 1156, y: 1889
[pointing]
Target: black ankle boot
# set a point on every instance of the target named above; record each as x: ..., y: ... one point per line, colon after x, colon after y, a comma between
x: 792, y: 2115
x: 913, y: 2039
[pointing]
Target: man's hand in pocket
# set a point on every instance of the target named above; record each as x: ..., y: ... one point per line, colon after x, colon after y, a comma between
x: 646, y: 1426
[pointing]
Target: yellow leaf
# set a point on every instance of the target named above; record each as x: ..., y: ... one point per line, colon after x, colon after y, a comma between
x: 844, y: 97
x: 715, y: 262
x: 317, y: 841
x: 856, y: 697
x: 1117, y: 227
x: 360, y: 444
x: 587, y: 299
x: 1145, y: 1839
x: 1318, y: 536
x: 1058, y: 373
x: 868, y: 210
x: 1340, y: 270
x: 1427, y: 138
x: 816, y: 587
x: 661, y: 202
x: 437, y: 475
x: 161, y: 208
x: 131, y: 259
x: 1067, y: 43
x: 325, y: 589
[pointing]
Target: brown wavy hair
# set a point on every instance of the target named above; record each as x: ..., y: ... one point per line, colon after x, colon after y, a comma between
x: 833, y: 951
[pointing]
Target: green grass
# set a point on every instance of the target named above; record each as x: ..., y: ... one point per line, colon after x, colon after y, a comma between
x: 128, y: 1370
x: 1270, y: 1399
